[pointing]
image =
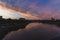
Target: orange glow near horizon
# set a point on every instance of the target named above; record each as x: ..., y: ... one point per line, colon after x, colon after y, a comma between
x: 7, y: 12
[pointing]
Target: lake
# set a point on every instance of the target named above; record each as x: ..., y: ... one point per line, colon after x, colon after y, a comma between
x: 35, y: 31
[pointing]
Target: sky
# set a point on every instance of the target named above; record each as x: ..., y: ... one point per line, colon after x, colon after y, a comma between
x: 9, y: 12
x: 45, y: 9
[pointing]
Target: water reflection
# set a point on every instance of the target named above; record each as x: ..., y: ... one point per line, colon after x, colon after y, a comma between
x: 35, y: 31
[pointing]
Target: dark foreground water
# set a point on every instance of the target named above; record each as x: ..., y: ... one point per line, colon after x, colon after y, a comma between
x: 35, y: 31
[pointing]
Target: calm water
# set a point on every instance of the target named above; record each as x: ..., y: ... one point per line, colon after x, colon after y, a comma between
x: 35, y: 31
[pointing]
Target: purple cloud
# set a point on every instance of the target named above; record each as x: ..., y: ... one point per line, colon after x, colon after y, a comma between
x: 42, y: 8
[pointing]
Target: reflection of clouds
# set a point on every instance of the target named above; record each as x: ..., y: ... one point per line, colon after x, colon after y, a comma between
x: 56, y: 37
x: 34, y: 31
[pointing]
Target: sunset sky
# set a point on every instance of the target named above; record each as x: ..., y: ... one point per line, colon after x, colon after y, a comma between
x: 44, y: 9
x: 32, y: 9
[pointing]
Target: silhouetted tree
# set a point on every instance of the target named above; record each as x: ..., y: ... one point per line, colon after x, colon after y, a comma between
x: 8, y: 25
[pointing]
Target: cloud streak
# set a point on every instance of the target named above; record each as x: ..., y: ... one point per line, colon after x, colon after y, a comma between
x: 42, y: 8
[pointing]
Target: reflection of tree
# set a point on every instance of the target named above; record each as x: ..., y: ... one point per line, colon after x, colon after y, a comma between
x: 8, y: 25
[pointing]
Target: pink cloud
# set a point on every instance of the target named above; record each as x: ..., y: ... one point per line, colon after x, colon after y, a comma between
x: 45, y: 12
